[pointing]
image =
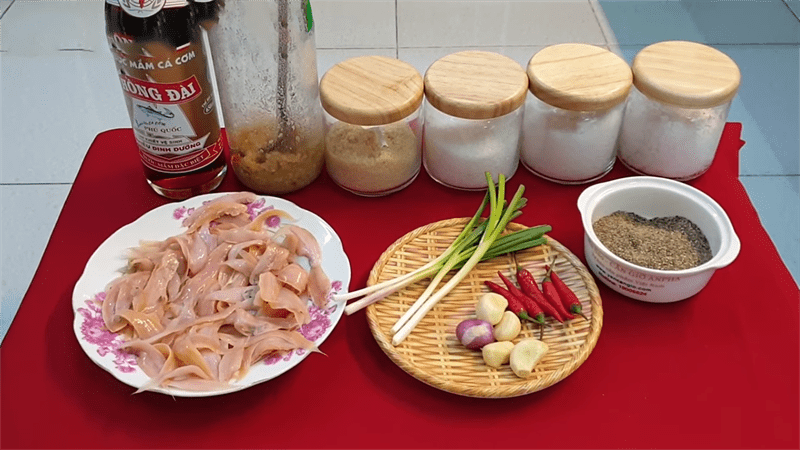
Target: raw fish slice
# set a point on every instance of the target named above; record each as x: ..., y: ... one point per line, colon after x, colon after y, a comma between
x: 174, y: 287
x: 173, y: 376
x: 235, y: 280
x: 250, y: 325
x: 211, y: 211
x: 207, y: 338
x: 273, y: 258
x: 200, y: 307
x: 183, y: 322
x: 287, y: 240
x: 258, y: 223
x: 268, y: 289
x: 194, y: 250
x: 156, y: 287
x: 293, y: 276
x: 230, y: 295
x: 199, y: 385
x: 212, y: 360
x: 307, y: 245
x: 288, y: 300
x: 237, y: 235
x: 237, y: 250
x: 230, y: 366
x: 119, y: 295
x: 148, y: 358
x: 207, y: 238
x: 319, y: 286
x: 144, y: 324
x: 278, y: 341
x: 140, y: 265
x: 186, y: 351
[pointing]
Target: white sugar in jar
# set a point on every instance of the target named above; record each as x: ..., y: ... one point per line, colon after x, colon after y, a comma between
x: 676, y: 112
x: 473, y: 118
x: 573, y: 112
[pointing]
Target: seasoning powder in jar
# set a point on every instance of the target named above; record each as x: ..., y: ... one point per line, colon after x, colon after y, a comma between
x: 473, y: 119
x: 677, y: 110
x: 373, y: 124
x: 573, y: 112
x: 662, y: 243
x: 269, y: 92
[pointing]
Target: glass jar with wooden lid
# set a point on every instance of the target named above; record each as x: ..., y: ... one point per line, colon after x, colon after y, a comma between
x: 473, y: 118
x: 373, y: 140
x: 677, y: 109
x: 573, y: 112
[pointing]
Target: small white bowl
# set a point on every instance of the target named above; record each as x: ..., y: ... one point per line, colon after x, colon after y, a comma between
x: 652, y: 197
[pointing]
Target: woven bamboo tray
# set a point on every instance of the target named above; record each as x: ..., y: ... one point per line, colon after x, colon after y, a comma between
x: 433, y: 355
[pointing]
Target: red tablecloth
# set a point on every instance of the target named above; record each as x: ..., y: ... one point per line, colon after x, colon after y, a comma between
x: 717, y: 370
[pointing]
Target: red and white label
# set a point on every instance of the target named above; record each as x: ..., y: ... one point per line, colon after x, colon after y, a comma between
x: 196, y: 158
x: 146, y: 8
x: 162, y: 93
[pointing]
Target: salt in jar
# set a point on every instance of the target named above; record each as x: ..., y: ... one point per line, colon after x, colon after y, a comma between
x: 677, y: 110
x: 573, y: 112
x: 473, y: 118
x: 373, y: 120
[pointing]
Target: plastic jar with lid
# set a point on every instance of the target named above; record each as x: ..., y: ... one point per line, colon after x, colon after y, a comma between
x: 473, y: 118
x: 373, y: 123
x: 573, y: 112
x: 677, y: 109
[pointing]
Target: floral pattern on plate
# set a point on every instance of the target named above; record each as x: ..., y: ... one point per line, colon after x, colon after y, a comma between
x: 104, y: 347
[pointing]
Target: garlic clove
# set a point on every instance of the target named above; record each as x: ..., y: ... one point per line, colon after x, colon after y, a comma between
x: 497, y: 353
x: 525, y: 355
x: 508, y: 328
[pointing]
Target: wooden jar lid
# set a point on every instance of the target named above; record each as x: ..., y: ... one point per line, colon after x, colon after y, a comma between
x: 476, y: 85
x: 579, y: 77
x: 686, y: 74
x: 371, y: 90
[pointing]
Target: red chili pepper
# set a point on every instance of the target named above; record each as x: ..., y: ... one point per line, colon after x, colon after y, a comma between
x: 568, y: 298
x: 533, y: 309
x: 550, y: 293
x: 514, y: 303
x: 529, y: 287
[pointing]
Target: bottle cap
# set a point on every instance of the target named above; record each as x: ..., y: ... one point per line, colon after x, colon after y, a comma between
x: 371, y: 90
x: 579, y: 77
x: 686, y: 74
x: 476, y: 85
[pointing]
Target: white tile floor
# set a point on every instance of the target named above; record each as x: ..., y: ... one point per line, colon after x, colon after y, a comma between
x: 59, y: 90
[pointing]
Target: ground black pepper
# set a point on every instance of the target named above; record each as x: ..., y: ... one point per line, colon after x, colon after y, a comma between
x: 664, y: 243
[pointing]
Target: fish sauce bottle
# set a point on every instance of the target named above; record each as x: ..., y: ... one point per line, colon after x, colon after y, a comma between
x: 162, y: 66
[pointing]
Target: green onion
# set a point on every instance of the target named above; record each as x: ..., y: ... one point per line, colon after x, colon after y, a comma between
x: 468, y: 228
x: 509, y: 243
x: 499, y: 217
x: 479, y: 240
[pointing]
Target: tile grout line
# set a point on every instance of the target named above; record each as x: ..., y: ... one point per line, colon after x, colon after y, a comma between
x: 605, y: 27
x: 785, y: 2
x: 7, y: 8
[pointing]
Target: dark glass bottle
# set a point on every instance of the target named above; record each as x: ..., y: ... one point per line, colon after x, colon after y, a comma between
x: 163, y: 71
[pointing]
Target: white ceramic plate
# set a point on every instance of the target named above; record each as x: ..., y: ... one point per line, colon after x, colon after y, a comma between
x: 103, y: 347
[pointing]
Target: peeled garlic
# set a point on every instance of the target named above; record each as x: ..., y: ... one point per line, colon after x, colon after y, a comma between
x: 497, y: 353
x: 525, y: 355
x: 508, y: 328
x: 490, y: 307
